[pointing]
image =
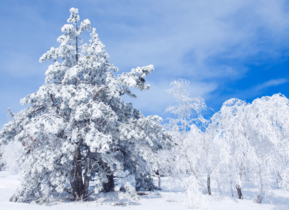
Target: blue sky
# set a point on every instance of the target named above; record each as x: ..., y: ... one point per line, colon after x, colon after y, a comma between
x: 224, y: 48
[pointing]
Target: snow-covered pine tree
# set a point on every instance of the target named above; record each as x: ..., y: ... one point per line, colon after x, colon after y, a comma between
x: 77, y: 127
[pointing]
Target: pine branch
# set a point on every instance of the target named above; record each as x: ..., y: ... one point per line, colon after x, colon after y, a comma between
x: 68, y: 191
x: 51, y: 97
x: 99, y: 91
x: 11, y: 112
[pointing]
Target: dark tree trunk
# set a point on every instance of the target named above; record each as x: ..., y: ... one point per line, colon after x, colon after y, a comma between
x: 209, y: 185
x: 76, y: 173
x: 76, y: 47
x: 239, y: 191
x: 109, y: 185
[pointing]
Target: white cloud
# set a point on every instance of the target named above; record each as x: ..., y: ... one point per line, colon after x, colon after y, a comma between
x: 194, y: 39
x: 251, y: 92
x: 199, y: 39
x: 270, y: 83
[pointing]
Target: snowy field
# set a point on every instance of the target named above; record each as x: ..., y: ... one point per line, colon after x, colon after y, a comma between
x: 169, y: 198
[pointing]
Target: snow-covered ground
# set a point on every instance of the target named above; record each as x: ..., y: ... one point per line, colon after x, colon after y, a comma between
x: 170, y: 198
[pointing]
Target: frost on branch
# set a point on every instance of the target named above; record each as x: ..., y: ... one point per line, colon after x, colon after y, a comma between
x: 85, y: 25
x: 74, y: 17
x: 135, y: 79
x: 68, y: 49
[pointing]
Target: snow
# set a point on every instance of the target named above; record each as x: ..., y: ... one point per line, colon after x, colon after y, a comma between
x: 170, y: 198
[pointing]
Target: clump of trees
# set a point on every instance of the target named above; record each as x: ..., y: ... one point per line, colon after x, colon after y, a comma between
x: 242, y: 143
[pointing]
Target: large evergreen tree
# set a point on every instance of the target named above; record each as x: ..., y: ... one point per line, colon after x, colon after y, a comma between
x: 77, y: 127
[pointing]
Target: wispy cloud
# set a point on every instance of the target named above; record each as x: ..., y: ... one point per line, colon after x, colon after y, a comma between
x: 250, y: 92
x: 270, y: 83
x: 196, y: 39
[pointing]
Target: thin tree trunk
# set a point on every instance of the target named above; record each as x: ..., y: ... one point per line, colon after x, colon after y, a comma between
x: 231, y: 188
x: 193, y: 171
x: 260, y: 195
x: 278, y: 177
x: 238, y: 186
x: 209, y: 185
x: 76, y: 46
x: 159, y: 178
x: 87, y: 172
x: 239, y: 191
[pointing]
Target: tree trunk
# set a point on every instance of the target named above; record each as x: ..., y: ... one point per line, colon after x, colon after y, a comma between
x: 87, y: 172
x: 261, y: 193
x: 109, y: 185
x: 238, y: 186
x: 76, y: 46
x: 209, y: 185
x: 231, y: 188
x: 76, y: 175
x: 193, y: 171
x: 278, y: 177
x: 159, y: 179
x: 239, y: 191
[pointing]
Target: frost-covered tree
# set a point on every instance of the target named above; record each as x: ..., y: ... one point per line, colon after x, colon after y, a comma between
x: 11, y: 152
x: 269, y: 124
x: 77, y: 128
x: 236, y: 135
x: 208, y: 149
x: 183, y: 159
x: 191, y: 133
x: 187, y: 110
x: 254, y: 139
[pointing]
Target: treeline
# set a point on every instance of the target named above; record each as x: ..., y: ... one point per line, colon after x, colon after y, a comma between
x: 242, y: 143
